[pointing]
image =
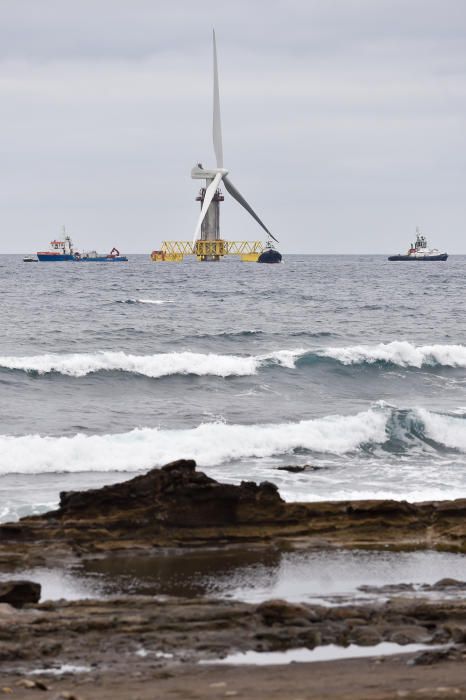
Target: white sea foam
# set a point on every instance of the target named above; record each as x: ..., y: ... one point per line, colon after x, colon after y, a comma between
x: 446, y: 430
x: 209, y: 444
x: 216, y: 443
x: 146, y: 301
x: 285, y: 358
x: 157, y: 365
x: 399, y: 353
x: 154, y: 301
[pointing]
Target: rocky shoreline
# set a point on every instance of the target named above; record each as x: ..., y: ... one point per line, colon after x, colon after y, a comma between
x: 152, y: 641
x: 142, y: 640
x: 123, y: 630
x: 179, y: 506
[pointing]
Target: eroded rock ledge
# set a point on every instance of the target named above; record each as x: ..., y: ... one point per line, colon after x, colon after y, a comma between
x: 179, y: 506
x: 121, y: 632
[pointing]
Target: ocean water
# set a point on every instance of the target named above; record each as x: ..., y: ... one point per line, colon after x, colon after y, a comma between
x: 351, y: 364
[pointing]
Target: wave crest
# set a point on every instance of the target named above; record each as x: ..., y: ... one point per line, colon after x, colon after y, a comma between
x: 159, y: 365
x: 379, y: 430
x: 401, y: 353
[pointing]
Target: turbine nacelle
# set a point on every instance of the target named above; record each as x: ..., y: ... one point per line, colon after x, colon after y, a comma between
x: 200, y: 173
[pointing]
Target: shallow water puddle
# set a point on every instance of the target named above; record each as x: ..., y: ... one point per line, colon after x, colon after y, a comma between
x: 252, y: 575
x: 62, y: 670
x: 330, y: 652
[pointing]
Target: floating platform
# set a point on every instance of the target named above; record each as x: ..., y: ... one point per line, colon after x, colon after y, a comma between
x: 175, y: 251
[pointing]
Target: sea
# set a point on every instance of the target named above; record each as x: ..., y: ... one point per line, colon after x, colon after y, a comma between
x: 352, y: 366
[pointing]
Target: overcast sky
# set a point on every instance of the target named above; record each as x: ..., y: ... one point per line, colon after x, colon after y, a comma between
x: 343, y: 121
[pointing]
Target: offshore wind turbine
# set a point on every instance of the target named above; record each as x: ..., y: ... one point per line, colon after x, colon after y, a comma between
x: 208, y: 224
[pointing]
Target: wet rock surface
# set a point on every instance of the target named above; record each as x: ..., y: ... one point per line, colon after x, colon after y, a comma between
x: 133, y: 639
x: 142, y: 629
x: 435, y: 656
x: 19, y: 593
x: 299, y: 468
x: 444, y: 585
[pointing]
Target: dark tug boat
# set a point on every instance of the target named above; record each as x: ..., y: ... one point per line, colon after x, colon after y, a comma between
x: 420, y: 251
x: 269, y: 254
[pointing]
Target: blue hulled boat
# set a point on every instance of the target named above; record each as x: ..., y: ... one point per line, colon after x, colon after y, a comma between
x: 59, y: 251
x: 63, y: 251
x: 93, y: 256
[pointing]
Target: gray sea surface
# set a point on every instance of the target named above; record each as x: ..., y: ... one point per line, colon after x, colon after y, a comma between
x: 351, y: 364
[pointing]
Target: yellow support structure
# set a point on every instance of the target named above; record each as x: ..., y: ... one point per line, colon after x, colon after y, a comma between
x: 249, y: 257
x: 217, y: 248
x: 162, y: 256
x: 179, y: 247
x: 174, y: 251
x: 245, y: 247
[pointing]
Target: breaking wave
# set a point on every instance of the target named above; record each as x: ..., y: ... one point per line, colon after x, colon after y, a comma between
x: 157, y: 365
x: 398, y: 353
x: 379, y: 431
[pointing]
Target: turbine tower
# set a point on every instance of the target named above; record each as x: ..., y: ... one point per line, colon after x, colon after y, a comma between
x: 210, y: 196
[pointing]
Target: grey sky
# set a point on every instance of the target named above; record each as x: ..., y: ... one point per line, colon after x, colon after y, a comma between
x: 343, y: 121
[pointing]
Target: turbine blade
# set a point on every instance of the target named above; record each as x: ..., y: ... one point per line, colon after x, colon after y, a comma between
x: 239, y: 198
x: 217, y: 123
x: 208, y: 197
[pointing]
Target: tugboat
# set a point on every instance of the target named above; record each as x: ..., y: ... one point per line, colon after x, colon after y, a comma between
x: 269, y: 254
x: 420, y: 251
x: 64, y: 251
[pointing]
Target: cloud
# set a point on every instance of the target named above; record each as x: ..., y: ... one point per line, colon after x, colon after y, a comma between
x: 343, y: 121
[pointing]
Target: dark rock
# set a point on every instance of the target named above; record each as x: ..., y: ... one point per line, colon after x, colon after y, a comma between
x: 280, y: 612
x: 458, y: 633
x: 391, y: 588
x: 175, y: 495
x: 19, y: 593
x: 192, y: 629
x: 429, y: 657
x: 11, y: 652
x: 350, y: 613
x: 177, y: 505
x: 293, y: 469
x: 409, y: 634
x: 297, y: 468
x: 366, y: 636
x: 448, y: 583
x: 269, y: 488
x: 30, y: 684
